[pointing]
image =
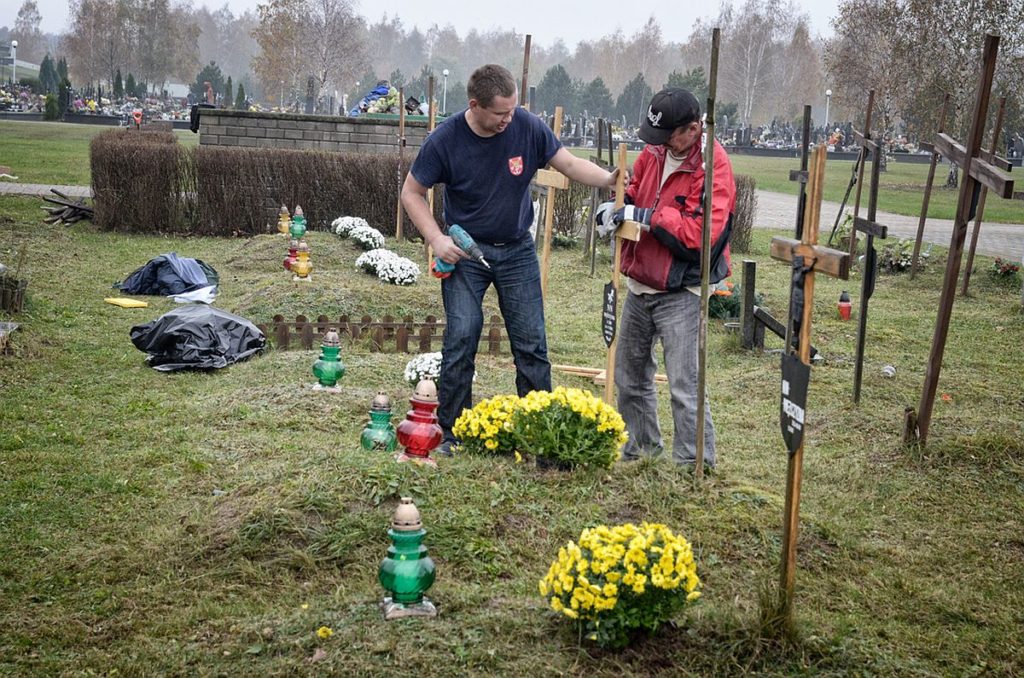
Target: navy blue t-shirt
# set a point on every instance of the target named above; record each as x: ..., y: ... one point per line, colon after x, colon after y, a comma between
x: 487, y: 179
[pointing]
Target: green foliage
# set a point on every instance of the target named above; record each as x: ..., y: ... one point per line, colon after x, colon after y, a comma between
x: 556, y: 88
x: 210, y: 73
x: 632, y: 103
x: 62, y: 70
x: 48, y: 78
x: 52, y: 111
x: 595, y: 99
x: 240, y: 102
x: 118, y: 86
x: 897, y: 256
x: 570, y: 427
x: 694, y: 80
x: 130, y: 86
x: 229, y: 96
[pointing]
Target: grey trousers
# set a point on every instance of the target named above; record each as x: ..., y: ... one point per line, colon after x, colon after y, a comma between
x: 672, y: 318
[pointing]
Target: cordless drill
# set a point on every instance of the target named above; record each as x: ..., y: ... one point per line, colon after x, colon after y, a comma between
x: 441, y: 268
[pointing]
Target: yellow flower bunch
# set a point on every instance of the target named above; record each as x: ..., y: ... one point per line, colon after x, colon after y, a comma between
x: 621, y: 579
x: 487, y: 427
x: 569, y: 425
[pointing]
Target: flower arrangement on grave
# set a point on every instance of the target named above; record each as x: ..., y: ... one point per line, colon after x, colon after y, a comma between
x: 487, y: 428
x: 367, y: 237
x: 398, y: 270
x: 344, y: 225
x: 568, y: 426
x: 423, y: 366
x: 1004, y: 271
x: 621, y: 580
x: 896, y: 257
x: 370, y: 261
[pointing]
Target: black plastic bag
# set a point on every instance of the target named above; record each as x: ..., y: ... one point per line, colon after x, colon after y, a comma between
x: 169, y: 274
x: 197, y: 337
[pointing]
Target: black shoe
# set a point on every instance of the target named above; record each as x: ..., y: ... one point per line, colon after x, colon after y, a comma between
x: 445, y: 448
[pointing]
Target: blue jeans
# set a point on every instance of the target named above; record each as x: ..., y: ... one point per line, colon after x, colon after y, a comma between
x: 515, y: 275
x: 673, y: 318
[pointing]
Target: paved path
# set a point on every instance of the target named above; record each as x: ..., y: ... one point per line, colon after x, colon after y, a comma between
x: 775, y: 211
x: 778, y: 211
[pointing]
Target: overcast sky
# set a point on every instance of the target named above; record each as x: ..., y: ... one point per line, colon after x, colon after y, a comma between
x: 543, y: 19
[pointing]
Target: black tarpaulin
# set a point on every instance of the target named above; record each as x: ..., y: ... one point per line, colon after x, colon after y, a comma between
x: 197, y: 337
x: 169, y: 274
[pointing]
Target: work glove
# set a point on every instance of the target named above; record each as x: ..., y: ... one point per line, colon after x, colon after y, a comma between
x: 641, y: 215
x: 603, y: 218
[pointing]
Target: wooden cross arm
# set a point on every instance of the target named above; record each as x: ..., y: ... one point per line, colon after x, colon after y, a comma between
x: 870, y: 227
x: 982, y: 167
x: 551, y: 179
x: 629, y: 230
x: 826, y: 260
x: 866, y: 140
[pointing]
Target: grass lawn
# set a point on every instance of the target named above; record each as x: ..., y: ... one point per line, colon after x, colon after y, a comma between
x: 54, y: 152
x: 210, y: 523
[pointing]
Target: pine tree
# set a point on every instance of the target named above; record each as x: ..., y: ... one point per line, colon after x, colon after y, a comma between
x: 129, y: 85
x: 228, y: 95
x: 118, y: 86
x: 240, y: 104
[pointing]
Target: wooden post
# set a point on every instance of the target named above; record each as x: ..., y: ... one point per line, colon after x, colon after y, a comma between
x: 620, y: 194
x: 427, y: 249
x: 401, y: 149
x: 928, y: 189
x: 870, y: 269
x: 549, y: 209
x: 996, y: 131
x: 832, y: 262
x: 860, y: 171
x: 976, y: 171
x: 705, y: 257
x: 526, y: 72
x: 747, y: 321
x: 801, y: 174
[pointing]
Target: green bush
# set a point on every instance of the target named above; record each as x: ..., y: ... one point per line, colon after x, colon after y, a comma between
x: 52, y: 110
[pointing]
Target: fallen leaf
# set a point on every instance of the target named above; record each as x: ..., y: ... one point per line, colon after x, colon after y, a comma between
x: 947, y: 398
x: 318, y: 656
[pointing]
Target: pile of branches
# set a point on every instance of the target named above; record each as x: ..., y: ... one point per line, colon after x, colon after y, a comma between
x: 67, y: 211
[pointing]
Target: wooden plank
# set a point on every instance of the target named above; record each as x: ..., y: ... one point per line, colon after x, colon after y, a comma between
x: 551, y: 179
x: 980, y: 168
x: 870, y: 227
x: 620, y: 193
x: 928, y: 190
x: 826, y: 260
x: 629, y: 230
x: 981, y: 200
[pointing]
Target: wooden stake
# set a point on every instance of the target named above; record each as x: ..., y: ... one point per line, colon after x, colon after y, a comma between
x: 549, y: 217
x: 981, y: 200
x: 620, y: 195
x: 401, y: 149
x: 428, y: 250
x: 705, y: 256
x: 860, y: 171
x: 526, y: 72
x: 928, y: 190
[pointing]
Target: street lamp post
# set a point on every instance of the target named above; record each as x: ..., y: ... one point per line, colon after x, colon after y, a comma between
x: 828, y: 101
x: 14, y: 62
x: 444, y: 99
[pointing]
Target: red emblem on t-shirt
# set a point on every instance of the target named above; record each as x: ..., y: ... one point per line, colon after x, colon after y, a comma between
x: 515, y: 165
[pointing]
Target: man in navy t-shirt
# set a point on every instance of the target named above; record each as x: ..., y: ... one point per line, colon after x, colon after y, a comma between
x: 486, y: 157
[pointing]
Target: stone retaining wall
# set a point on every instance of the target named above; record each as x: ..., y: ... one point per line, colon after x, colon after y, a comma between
x: 297, y: 132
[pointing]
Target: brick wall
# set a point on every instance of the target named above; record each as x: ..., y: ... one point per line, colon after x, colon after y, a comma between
x: 296, y: 132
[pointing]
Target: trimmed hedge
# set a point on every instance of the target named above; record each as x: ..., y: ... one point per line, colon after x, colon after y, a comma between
x: 145, y: 182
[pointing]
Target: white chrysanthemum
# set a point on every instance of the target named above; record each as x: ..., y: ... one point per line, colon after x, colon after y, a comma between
x: 423, y: 366
x: 398, y: 271
x: 370, y: 261
x: 367, y: 237
x: 344, y: 225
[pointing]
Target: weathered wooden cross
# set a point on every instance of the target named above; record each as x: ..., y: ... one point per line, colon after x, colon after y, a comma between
x: 928, y: 188
x: 979, y: 169
x: 981, y: 201
x: 869, y: 272
x: 800, y: 175
x: 856, y: 177
x: 807, y: 258
x: 554, y: 181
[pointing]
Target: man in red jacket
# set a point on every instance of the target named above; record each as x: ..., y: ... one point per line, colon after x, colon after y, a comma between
x: 665, y: 195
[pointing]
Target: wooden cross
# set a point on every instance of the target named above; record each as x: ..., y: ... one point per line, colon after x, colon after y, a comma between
x: 801, y: 174
x: 979, y: 169
x: 629, y: 230
x: 526, y: 72
x: 427, y: 249
x: 553, y: 181
x: 870, y: 270
x: 928, y: 188
x: 865, y: 136
x: 981, y: 201
x: 808, y: 258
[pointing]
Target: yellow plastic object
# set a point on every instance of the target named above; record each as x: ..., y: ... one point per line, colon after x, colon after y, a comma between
x: 125, y: 302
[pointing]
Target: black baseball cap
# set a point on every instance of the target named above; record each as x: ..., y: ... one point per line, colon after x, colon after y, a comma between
x: 670, y: 108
